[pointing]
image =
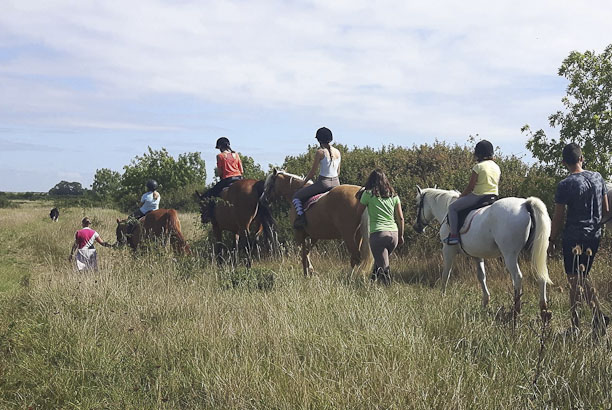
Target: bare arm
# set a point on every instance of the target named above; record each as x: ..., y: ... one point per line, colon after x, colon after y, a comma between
x: 557, y: 221
x: 101, y: 242
x: 315, y: 165
x: 605, y: 205
x: 471, y: 184
x: 399, y: 220
x: 360, y: 208
x: 74, y: 248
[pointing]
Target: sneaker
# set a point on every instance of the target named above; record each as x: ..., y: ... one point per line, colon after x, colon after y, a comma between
x: 451, y: 240
x: 300, y: 222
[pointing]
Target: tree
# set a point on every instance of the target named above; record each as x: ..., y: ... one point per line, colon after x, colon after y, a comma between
x: 177, y: 178
x: 252, y: 170
x: 587, y: 119
x: 169, y: 173
x: 107, y: 183
x: 67, y: 188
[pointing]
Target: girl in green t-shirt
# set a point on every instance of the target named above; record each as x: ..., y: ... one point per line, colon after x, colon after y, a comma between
x: 386, y: 222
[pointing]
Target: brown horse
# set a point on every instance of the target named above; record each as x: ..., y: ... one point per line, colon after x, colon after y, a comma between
x: 162, y: 223
x: 241, y: 212
x: 334, y: 216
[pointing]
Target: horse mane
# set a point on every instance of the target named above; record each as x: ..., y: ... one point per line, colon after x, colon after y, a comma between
x: 441, y: 193
x: 283, y: 172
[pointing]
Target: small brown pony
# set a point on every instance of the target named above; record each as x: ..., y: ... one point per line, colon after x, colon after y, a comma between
x: 334, y: 216
x: 161, y: 223
x: 241, y: 211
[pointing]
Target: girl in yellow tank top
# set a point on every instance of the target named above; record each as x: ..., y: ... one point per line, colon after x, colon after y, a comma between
x: 484, y: 181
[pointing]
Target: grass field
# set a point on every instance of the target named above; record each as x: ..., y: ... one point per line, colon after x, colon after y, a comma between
x: 160, y: 332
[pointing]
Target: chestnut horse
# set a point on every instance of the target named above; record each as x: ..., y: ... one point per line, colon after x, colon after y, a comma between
x: 334, y: 216
x: 162, y: 223
x: 241, y: 211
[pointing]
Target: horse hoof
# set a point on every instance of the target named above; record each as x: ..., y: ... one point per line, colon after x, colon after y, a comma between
x: 546, y: 316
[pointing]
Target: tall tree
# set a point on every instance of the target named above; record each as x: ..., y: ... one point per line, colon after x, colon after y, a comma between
x: 67, y: 188
x: 107, y: 183
x: 587, y: 118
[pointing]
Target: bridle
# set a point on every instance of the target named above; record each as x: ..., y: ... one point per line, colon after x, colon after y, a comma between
x: 420, y: 220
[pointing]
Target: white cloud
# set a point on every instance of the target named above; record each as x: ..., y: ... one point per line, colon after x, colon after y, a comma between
x: 438, y: 69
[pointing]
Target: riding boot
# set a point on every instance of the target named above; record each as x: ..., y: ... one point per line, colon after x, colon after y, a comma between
x: 300, y: 220
x: 374, y: 274
x: 386, y: 276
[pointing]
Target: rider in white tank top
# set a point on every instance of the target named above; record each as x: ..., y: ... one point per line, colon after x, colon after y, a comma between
x: 329, y: 166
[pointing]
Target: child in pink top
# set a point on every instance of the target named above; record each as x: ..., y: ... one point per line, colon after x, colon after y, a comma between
x: 84, y: 239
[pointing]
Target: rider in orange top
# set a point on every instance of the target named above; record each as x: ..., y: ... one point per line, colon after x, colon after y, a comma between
x: 229, y: 168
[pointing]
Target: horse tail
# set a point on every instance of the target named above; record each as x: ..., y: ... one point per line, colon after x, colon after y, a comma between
x: 539, y: 236
x: 176, y: 236
x: 265, y: 217
x: 367, y: 260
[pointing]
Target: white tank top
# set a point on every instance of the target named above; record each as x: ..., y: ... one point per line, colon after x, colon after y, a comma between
x: 329, y: 167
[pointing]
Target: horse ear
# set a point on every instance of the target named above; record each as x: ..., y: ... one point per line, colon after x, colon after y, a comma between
x: 118, y: 221
x: 436, y: 186
x: 274, y: 171
x: 419, y: 189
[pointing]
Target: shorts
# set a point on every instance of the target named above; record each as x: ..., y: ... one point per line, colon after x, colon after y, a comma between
x: 573, y: 262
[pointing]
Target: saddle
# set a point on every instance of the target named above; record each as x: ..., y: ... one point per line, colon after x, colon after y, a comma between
x: 484, y: 201
x: 313, y: 200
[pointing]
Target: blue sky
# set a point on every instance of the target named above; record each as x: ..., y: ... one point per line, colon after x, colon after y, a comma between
x: 87, y: 85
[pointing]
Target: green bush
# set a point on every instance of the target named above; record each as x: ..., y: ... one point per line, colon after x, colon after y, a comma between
x: 439, y: 164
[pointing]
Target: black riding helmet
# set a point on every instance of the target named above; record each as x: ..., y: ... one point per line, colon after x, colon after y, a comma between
x: 222, y: 143
x: 151, y: 185
x: 483, y: 150
x: 324, y: 135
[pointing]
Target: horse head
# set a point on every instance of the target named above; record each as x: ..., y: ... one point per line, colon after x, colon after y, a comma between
x: 423, y: 215
x: 123, y: 232
x: 270, y: 190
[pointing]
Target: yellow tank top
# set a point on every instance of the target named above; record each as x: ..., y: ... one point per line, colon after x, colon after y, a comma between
x: 488, y: 178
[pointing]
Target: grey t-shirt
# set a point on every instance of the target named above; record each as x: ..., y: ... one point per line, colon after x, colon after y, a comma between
x: 582, y: 193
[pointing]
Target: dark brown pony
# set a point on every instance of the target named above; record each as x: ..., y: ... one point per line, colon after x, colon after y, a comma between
x: 334, y: 216
x: 242, y: 212
x: 162, y: 224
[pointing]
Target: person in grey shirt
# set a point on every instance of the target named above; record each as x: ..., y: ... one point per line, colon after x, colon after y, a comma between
x: 581, y: 200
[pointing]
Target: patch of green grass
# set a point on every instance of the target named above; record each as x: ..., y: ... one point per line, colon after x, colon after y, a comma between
x: 155, y: 331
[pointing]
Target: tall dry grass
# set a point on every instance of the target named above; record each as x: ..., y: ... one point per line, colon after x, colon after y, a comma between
x: 157, y: 332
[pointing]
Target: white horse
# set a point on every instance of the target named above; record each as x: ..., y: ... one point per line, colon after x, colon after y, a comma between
x: 607, y: 219
x: 501, y: 229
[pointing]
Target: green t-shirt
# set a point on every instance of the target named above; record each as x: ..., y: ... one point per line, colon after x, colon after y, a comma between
x: 381, y: 212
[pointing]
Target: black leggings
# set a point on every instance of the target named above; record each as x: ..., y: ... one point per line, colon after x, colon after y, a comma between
x: 219, y: 186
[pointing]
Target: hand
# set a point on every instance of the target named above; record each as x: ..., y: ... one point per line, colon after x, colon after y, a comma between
x: 400, y: 241
x: 106, y: 244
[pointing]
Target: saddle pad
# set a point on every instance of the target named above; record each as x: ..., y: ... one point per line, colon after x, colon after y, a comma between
x: 468, y: 221
x: 313, y: 200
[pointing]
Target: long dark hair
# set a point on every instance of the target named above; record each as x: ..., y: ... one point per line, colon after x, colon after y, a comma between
x: 379, y: 185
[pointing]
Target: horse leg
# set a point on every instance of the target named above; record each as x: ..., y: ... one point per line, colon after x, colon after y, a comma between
x: 247, y: 247
x: 235, y: 251
x: 511, y: 261
x: 306, y: 265
x: 218, y: 246
x: 448, y: 252
x: 544, y: 312
x: 482, y: 278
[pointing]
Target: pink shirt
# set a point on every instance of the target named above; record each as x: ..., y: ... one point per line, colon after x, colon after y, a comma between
x: 86, y: 237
